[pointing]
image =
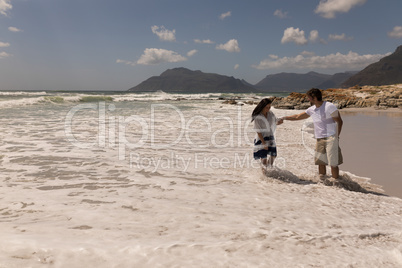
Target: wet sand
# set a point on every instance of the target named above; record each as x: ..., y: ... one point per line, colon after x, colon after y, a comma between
x: 372, y: 146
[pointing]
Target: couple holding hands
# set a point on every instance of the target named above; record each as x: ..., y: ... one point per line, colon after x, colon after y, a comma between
x: 327, y: 128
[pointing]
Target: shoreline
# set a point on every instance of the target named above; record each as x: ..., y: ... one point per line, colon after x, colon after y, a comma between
x: 371, y: 109
x: 381, y: 97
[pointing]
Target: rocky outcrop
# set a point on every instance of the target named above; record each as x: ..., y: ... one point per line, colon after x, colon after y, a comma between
x: 381, y: 97
x: 378, y: 97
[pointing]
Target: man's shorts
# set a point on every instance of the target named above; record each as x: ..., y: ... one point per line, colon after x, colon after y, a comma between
x: 327, y: 152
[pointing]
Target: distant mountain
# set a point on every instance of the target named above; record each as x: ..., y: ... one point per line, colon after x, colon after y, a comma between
x: 182, y: 80
x: 336, y: 80
x: 293, y: 82
x: 387, y: 71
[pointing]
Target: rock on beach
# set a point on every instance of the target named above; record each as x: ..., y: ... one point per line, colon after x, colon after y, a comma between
x: 377, y: 97
x: 380, y: 97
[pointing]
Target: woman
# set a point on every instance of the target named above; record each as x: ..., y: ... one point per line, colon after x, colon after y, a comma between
x: 265, y: 123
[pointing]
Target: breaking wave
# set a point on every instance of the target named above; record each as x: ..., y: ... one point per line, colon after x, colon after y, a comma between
x: 9, y: 99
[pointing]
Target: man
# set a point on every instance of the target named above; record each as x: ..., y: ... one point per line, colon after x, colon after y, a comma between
x: 327, y: 128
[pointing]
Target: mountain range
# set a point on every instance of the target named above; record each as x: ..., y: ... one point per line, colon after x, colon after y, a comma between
x: 285, y: 82
x: 181, y: 80
x: 387, y: 71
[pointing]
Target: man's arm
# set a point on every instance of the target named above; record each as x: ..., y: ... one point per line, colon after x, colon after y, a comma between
x: 295, y: 117
x: 338, y: 119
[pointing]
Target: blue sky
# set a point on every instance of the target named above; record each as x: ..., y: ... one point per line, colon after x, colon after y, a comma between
x: 116, y: 44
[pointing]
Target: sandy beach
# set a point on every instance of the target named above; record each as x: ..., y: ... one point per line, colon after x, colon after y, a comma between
x: 189, y: 196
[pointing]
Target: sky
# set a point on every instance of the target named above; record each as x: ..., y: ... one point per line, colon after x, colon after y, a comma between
x: 117, y: 44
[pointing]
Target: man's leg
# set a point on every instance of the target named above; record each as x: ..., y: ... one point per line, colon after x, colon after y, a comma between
x: 320, y: 158
x: 334, y: 156
x: 322, y: 170
x: 335, y: 172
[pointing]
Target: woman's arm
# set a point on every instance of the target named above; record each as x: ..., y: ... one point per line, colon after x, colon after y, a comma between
x: 262, y: 140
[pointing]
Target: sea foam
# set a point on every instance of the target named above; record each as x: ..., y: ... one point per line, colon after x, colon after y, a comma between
x: 64, y: 205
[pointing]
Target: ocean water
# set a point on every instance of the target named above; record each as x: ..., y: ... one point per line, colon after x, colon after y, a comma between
x: 168, y: 180
x: 372, y: 144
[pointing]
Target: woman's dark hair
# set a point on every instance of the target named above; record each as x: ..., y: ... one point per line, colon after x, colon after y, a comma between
x: 260, y: 106
x: 315, y: 92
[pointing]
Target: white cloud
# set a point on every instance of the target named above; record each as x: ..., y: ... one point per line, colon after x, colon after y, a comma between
x: 207, y: 41
x: 157, y: 56
x: 307, y: 53
x: 328, y: 8
x: 163, y: 33
x: 396, y: 32
x: 5, y: 6
x: 313, y: 36
x: 125, y: 62
x: 280, y: 14
x: 4, y: 55
x: 307, y: 60
x: 192, y: 52
x: 14, y: 29
x: 231, y: 46
x: 236, y: 66
x: 225, y: 15
x: 2, y: 44
x: 340, y: 37
x: 294, y: 35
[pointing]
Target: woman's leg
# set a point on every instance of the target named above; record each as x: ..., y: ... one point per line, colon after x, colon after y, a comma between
x: 271, y: 160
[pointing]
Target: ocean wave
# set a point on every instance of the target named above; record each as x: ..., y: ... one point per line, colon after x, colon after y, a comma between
x: 10, y: 103
x: 95, y: 98
x: 22, y: 93
x: 10, y: 99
